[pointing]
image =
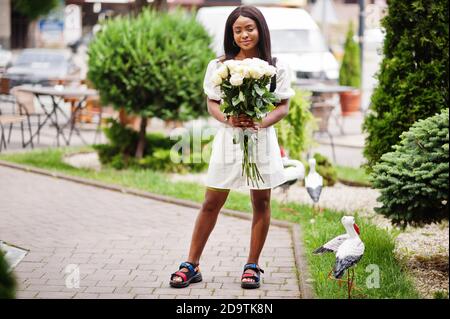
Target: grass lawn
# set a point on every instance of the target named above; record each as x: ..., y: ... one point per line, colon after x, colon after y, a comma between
x: 317, y: 228
x: 351, y: 175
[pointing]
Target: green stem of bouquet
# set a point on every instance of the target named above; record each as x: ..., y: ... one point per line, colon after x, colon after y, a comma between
x: 250, y: 169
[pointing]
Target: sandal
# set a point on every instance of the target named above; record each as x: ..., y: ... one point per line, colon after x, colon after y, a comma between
x: 191, y: 276
x: 255, y: 277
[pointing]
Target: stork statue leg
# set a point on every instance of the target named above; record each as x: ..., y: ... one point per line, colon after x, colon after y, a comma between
x: 349, y: 281
x: 352, y: 286
x: 285, y: 193
x: 339, y: 281
x: 317, y: 209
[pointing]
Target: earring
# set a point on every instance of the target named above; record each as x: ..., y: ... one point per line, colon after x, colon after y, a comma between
x: 235, y: 45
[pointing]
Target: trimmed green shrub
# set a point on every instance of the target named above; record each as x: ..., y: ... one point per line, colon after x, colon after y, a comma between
x: 413, y: 179
x: 123, y: 141
x: 325, y: 169
x: 350, y: 71
x: 152, y: 66
x: 413, y: 78
x: 33, y: 9
x: 7, y: 280
x: 295, y: 129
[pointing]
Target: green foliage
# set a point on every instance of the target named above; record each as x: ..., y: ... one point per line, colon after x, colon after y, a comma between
x: 413, y: 78
x: 7, y: 280
x: 440, y: 295
x: 251, y: 97
x: 33, y: 9
x: 295, y: 130
x: 350, y: 71
x: 325, y: 169
x: 413, y: 179
x: 152, y: 65
x: 157, y: 153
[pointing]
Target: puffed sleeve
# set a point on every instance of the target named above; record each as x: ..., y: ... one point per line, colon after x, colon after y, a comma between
x: 211, y: 90
x: 283, y: 89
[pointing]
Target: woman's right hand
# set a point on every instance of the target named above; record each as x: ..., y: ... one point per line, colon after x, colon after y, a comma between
x: 242, y: 121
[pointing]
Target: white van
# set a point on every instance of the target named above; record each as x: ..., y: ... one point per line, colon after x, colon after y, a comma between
x: 295, y: 37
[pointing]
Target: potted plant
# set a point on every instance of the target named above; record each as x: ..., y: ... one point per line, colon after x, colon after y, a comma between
x: 350, y: 75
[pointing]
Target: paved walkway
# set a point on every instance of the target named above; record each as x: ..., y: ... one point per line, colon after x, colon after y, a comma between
x: 125, y: 246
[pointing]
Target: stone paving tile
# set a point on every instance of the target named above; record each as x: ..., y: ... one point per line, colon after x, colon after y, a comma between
x: 87, y: 242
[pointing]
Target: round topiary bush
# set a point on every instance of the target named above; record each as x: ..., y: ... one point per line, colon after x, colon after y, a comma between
x: 413, y: 179
x: 152, y: 66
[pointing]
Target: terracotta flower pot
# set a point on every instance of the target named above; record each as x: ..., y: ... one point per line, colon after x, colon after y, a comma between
x: 350, y: 102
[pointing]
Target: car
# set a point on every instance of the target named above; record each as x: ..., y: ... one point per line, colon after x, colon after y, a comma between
x: 295, y: 38
x: 42, y: 66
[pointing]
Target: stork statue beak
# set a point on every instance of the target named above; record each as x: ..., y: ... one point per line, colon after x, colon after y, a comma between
x: 356, y: 227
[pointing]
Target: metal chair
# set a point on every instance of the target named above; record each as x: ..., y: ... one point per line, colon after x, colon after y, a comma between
x: 5, y: 94
x: 322, y: 111
x: 8, y: 119
x: 26, y: 107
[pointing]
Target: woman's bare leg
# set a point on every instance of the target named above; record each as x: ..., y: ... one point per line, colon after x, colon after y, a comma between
x: 260, y: 225
x: 206, y: 220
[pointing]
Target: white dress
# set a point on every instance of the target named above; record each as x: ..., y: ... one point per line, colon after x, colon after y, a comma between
x: 225, y: 165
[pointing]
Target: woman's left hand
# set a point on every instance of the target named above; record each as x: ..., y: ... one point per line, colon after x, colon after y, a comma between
x: 257, y: 125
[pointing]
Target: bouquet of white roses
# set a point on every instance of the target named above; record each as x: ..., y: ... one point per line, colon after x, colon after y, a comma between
x: 243, y: 85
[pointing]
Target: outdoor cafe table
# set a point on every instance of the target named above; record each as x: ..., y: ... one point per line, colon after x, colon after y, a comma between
x: 322, y: 91
x: 322, y: 109
x: 57, y: 95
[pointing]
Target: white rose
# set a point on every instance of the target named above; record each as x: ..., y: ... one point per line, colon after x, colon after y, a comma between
x: 232, y: 68
x: 236, y: 80
x: 259, y: 62
x: 270, y: 70
x: 244, y: 71
x: 257, y: 72
x: 239, y: 70
x: 223, y: 71
x: 230, y: 64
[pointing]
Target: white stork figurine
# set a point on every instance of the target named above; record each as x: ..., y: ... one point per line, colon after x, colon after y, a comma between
x: 349, y: 250
x: 313, y: 181
x: 293, y: 171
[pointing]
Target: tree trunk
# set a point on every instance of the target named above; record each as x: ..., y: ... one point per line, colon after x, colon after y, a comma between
x: 139, y: 5
x: 31, y: 38
x: 159, y: 5
x: 141, y: 143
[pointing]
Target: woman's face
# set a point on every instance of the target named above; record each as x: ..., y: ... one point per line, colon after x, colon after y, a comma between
x: 245, y: 33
